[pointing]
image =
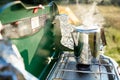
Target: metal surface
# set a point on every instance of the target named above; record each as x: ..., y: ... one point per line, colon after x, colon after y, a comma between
x: 90, y: 41
x: 66, y: 70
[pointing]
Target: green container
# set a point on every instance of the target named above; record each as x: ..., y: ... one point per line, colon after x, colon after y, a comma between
x: 37, y: 47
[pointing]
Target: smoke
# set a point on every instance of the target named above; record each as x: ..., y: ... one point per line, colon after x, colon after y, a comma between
x: 92, y: 16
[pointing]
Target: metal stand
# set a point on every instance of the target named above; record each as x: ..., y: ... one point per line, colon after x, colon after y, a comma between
x: 66, y: 70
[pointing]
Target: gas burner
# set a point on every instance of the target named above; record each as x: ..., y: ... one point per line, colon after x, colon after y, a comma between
x: 65, y: 69
x: 83, y: 67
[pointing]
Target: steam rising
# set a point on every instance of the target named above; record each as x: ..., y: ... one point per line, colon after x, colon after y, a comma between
x: 92, y: 17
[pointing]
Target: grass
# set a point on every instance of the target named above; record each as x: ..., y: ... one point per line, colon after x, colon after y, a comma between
x: 112, y: 16
x: 113, y: 43
x: 112, y: 30
x: 112, y: 27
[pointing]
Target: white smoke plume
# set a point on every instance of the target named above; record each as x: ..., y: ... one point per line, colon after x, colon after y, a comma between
x: 92, y: 17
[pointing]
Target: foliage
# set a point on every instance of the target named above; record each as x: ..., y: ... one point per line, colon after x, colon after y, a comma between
x: 112, y: 30
x: 102, y: 2
x: 113, y: 41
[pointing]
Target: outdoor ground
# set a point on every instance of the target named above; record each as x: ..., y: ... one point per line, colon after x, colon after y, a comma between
x: 111, y: 15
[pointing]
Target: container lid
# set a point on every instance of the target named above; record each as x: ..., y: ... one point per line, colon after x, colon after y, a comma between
x: 85, y: 29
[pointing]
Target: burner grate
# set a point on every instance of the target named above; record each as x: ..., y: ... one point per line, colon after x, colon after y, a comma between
x: 66, y: 70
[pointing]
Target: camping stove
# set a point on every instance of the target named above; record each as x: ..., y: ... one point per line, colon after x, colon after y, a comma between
x: 65, y: 69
